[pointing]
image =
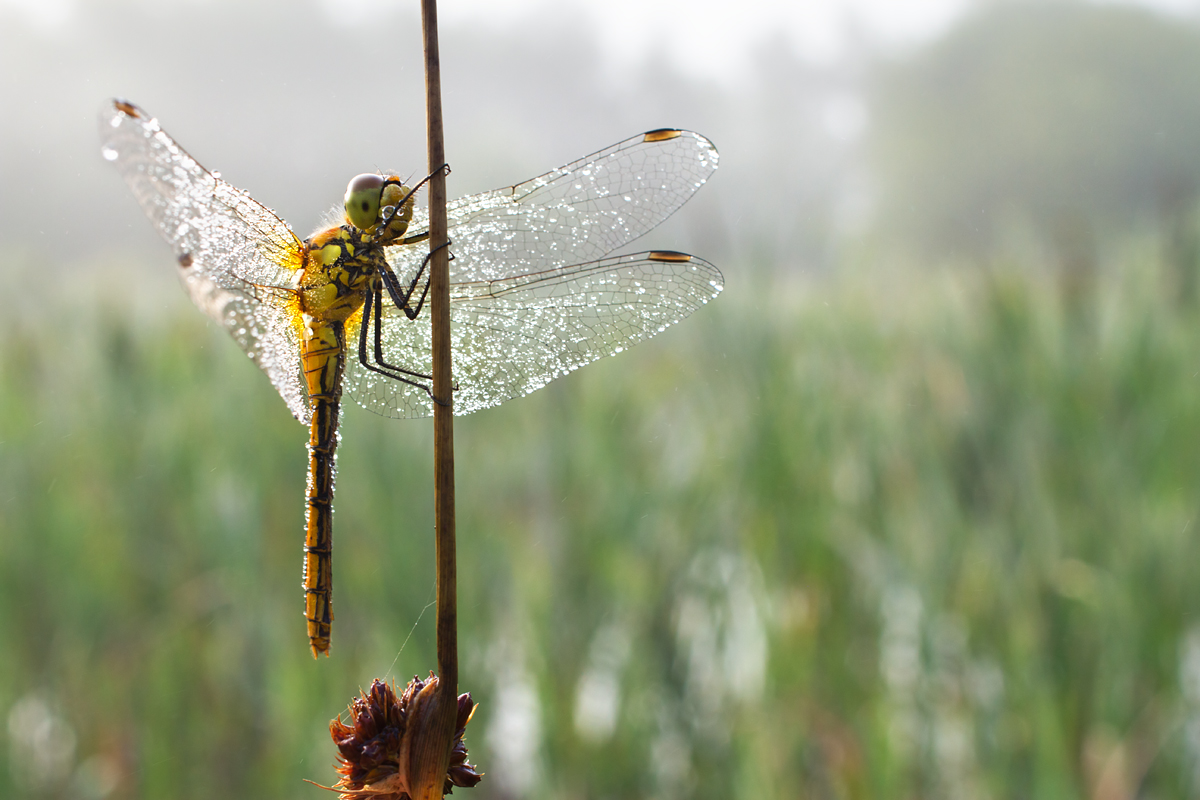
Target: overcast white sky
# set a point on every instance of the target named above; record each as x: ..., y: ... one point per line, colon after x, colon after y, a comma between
x: 710, y: 38
x: 715, y: 37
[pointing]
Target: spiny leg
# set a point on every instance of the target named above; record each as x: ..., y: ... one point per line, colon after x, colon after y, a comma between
x: 401, y: 296
x: 444, y: 169
x: 380, y: 366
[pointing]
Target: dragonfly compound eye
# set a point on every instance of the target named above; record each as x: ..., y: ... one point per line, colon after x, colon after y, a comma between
x: 362, y: 200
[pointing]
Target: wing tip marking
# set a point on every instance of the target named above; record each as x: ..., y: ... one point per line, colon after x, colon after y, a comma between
x: 668, y: 255
x: 128, y: 108
x: 661, y: 135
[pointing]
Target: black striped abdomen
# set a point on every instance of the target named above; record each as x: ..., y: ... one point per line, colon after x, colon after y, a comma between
x: 324, y: 359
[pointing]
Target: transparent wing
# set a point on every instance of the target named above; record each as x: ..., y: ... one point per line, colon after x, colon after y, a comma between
x: 235, y: 257
x: 580, y: 212
x: 513, y: 335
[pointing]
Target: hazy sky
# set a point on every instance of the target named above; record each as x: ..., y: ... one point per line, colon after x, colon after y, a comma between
x: 712, y: 38
x: 708, y: 38
x: 715, y: 38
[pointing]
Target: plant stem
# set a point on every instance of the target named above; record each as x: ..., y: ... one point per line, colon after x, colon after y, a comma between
x: 443, y: 411
x: 440, y: 733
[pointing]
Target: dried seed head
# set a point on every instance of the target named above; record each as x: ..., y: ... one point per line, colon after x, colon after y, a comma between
x: 460, y: 772
x: 376, y: 750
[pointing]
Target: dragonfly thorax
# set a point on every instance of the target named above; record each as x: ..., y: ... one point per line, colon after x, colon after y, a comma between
x: 340, y: 267
x: 341, y: 263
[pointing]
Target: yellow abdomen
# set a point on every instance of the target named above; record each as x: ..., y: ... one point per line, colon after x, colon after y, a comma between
x: 336, y: 279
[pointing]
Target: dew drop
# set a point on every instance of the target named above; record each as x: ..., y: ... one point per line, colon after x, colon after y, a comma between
x: 109, y: 154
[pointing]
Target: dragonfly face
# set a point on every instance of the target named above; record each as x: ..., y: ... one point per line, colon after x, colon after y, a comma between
x: 380, y: 205
x: 534, y: 290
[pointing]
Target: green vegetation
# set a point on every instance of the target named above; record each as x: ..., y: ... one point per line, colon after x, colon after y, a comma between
x: 891, y: 534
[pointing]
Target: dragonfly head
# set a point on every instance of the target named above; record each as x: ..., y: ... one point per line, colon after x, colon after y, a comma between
x: 372, y: 199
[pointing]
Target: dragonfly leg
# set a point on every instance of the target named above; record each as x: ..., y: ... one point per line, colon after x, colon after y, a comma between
x: 380, y: 366
x: 416, y: 237
x: 444, y: 169
x: 379, y: 359
x: 401, y: 297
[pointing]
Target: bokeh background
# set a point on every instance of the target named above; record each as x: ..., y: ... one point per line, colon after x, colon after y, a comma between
x: 910, y: 511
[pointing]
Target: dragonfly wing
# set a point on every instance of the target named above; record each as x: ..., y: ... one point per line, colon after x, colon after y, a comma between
x: 580, y: 212
x: 514, y: 335
x: 236, y: 258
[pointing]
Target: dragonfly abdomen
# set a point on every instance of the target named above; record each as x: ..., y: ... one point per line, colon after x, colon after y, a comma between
x: 339, y: 268
x: 323, y: 356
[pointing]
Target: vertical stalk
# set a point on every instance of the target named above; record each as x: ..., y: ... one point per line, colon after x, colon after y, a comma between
x: 426, y: 739
x: 431, y: 755
x: 443, y: 411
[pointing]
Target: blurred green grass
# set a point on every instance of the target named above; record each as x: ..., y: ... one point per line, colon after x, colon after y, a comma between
x: 889, y: 533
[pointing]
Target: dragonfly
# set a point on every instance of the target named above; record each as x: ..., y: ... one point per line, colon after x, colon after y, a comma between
x: 535, y: 290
